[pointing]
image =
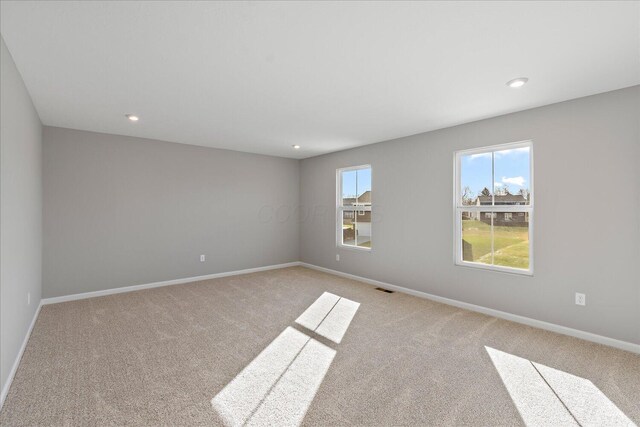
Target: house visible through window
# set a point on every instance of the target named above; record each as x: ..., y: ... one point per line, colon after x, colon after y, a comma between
x: 354, y: 195
x: 494, y: 207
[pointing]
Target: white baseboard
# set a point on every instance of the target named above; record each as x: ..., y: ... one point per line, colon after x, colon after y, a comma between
x: 588, y: 336
x: 16, y: 363
x: 624, y: 345
x: 84, y: 295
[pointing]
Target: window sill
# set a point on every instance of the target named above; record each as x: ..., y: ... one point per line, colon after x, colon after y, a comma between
x: 496, y: 269
x: 353, y: 248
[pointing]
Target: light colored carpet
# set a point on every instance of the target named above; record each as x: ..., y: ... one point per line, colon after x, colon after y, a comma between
x: 204, y: 354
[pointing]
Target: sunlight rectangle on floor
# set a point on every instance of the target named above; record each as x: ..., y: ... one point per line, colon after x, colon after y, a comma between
x: 288, y: 401
x: 547, y: 396
x: 535, y: 401
x: 316, y: 313
x: 329, y: 316
x: 278, y: 386
x: 335, y: 325
x: 584, y: 400
x: 239, y: 399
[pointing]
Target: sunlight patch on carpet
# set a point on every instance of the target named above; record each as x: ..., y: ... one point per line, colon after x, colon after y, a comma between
x: 278, y: 386
x: 329, y: 316
x: 318, y: 311
x: 546, y: 396
x: 288, y: 401
x: 584, y: 400
x: 535, y: 401
x: 335, y: 325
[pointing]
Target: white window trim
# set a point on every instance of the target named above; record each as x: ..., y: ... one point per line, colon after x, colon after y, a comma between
x: 458, y: 208
x: 340, y: 208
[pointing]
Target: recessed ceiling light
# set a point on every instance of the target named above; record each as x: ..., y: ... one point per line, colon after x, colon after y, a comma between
x: 516, y: 83
x: 297, y: 147
x: 132, y: 117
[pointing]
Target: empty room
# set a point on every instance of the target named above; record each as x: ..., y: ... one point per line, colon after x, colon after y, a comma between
x: 320, y: 213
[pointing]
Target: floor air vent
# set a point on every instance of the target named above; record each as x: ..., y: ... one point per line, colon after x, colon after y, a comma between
x: 384, y: 290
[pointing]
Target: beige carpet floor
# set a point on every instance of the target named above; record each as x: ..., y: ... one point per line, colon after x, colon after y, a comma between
x: 159, y: 356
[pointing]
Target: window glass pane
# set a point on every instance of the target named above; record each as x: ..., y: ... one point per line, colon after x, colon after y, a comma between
x: 512, y: 176
x: 475, y: 179
x: 363, y: 186
x: 476, y: 237
x: 363, y: 228
x: 511, y: 240
x: 349, y: 190
x: 348, y: 228
x: 363, y: 217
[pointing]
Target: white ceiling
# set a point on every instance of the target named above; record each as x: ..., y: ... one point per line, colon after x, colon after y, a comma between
x: 262, y: 76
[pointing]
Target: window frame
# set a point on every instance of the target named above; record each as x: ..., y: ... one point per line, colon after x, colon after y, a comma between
x: 458, y: 208
x: 355, y: 209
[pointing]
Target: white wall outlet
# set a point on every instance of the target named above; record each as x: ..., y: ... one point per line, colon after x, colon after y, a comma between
x: 202, y: 258
x: 337, y: 257
x: 581, y: 299
x: 28, y: 298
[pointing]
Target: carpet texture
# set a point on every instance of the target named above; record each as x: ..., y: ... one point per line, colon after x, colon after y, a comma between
x: 165, y: 356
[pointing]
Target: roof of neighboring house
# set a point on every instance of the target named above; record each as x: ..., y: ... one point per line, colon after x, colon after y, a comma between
x: 364, y: 198
x: 502, y: 198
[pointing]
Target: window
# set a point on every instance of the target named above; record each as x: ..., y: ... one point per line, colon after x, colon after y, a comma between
x: 494, y: 207
x: 354, y: 195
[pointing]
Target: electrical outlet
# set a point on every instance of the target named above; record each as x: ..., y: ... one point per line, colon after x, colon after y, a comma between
x: 28, y: 298
x: 581, y: 299
x: 202, y: 258
x: 337, y: 257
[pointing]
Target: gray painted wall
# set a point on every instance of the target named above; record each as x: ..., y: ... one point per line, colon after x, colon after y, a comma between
x: 20, y: 212
x: 122, y: 211
x: 587, y: 214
